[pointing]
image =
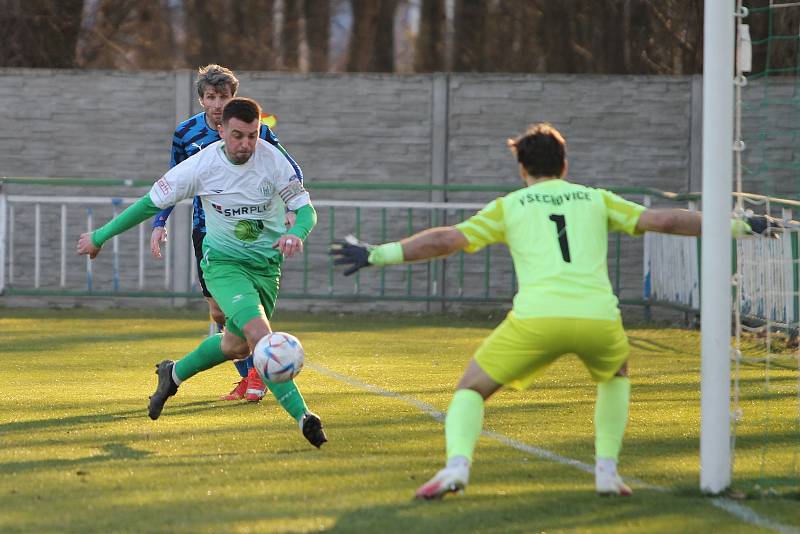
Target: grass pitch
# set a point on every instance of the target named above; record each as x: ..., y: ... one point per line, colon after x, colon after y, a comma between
x: 79, y: 454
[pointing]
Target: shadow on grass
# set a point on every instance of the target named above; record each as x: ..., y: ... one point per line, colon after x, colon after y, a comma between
x: 299, y: 321
x: 112, y: 451
x: 526, y: 512
x: 93, y: 420
x: 44, y: 342
x: 650, y: 345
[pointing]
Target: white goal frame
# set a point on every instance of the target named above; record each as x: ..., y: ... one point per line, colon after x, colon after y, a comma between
x: 715, y: 282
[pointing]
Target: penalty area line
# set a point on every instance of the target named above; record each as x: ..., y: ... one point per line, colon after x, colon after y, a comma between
x: 730, y: 506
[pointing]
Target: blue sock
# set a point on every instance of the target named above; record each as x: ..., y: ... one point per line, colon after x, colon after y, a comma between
x: 241, y: 366
x: 249, y: 361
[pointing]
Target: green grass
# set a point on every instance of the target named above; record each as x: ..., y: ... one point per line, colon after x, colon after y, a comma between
x: 78, y: 453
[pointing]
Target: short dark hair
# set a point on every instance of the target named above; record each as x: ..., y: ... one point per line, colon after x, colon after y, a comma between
x: 244, y: 109
x: 542, y: 150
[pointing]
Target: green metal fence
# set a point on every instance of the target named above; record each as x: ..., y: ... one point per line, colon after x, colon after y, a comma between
x: 35, y: 262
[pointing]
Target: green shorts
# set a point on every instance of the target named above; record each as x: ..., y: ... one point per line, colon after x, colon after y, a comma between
x: 241, y: 291
x: 520, y: 349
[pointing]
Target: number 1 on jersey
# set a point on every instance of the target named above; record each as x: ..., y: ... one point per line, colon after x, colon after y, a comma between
x: 561, y: 231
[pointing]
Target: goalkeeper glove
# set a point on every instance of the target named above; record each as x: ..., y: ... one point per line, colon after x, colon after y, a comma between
x: 756, y: 225
x: 352, y: 253
x: 357, y: 254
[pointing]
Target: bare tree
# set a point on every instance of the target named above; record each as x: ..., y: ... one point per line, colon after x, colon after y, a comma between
x: 203, y: 38
x: 128, y: 34
x: 40, y: 33
x: 636, y: 32
x: 470, y: 34
x: 679, y: 28
x: 290, y: 34
x: 151, y: 32
x: 527, y: 52
x: 570, y: 36
x: 601, y: 38
x: 429, y: 53
x: 384, y: 38
x: 317, y: 14
x: 621, y: 36
x: 511, y: 43
x: 780, y: 54
x: 371, y: 47
x: 250, y: 38
x: 234, y: 33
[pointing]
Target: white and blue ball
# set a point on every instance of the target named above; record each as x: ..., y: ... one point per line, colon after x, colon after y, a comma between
x: 278, y: 357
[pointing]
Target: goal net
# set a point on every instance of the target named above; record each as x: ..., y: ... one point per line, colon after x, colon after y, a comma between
x: 765, y: 361
x: 758, y: 453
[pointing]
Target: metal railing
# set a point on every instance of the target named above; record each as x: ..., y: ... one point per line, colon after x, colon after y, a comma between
x: 766, y: 270
x: 37, y: 233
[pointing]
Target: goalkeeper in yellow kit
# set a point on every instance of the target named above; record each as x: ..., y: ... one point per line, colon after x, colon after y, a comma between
x: 557, y: 233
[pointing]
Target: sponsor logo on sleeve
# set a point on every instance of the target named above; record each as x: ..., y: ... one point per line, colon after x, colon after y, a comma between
x: 164, y: 186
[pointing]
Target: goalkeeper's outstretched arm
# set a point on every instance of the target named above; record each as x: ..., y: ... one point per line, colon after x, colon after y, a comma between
x: 670, y: 221
x: 433, y: 243
x: 684, y: 222
x: 424, y: 245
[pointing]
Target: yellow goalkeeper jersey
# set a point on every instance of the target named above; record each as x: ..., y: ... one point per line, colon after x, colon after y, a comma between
x: 557, y: 233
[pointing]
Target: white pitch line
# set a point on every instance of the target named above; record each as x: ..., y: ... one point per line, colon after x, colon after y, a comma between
x: 734, y: 508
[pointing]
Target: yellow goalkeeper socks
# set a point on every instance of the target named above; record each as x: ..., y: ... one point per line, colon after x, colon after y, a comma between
x: 611, y: 416
x: 463, y: 424
x: 205, y: 356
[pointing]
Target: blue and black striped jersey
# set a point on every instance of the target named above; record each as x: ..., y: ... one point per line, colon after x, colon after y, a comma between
x: 193, y: 135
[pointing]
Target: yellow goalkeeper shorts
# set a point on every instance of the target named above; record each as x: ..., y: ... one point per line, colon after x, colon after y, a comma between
x: 520, y: 349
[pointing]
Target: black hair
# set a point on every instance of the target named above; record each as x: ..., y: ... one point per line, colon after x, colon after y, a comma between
x: 541, y: 150
x: 244, y: 109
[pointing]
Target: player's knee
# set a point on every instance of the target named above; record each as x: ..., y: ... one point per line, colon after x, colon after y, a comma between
x: 234, y: 347
x: 622, y: 371
x: 477, y: 380
x: 255, y: 329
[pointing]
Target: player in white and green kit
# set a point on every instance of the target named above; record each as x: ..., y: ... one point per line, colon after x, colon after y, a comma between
x: 557, y: 233
x: 245, y: 185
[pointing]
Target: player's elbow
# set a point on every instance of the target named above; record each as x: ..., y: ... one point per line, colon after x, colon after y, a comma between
x: 669, y: 222
x: 664, y: 221
x: 451, y: 240
x: 434, y: 243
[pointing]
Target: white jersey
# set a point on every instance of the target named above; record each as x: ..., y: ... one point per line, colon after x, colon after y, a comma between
x: 244, y: 204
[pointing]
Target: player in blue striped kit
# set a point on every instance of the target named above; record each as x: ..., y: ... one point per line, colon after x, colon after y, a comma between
x: 216, y: 85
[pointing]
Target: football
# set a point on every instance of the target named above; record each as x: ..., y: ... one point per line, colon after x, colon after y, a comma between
x: 278, y: 357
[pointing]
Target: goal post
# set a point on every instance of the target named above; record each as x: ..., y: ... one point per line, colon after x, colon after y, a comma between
x: 715, y: 281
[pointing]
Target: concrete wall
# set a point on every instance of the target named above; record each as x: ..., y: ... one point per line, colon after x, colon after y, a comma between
x: 622, y: 130
x: 85, y: 124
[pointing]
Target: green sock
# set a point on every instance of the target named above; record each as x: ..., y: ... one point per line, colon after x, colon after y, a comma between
x: 463, y: 424
x: 287, y: 394
x: 611, y: 416
x: 205, y: 356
